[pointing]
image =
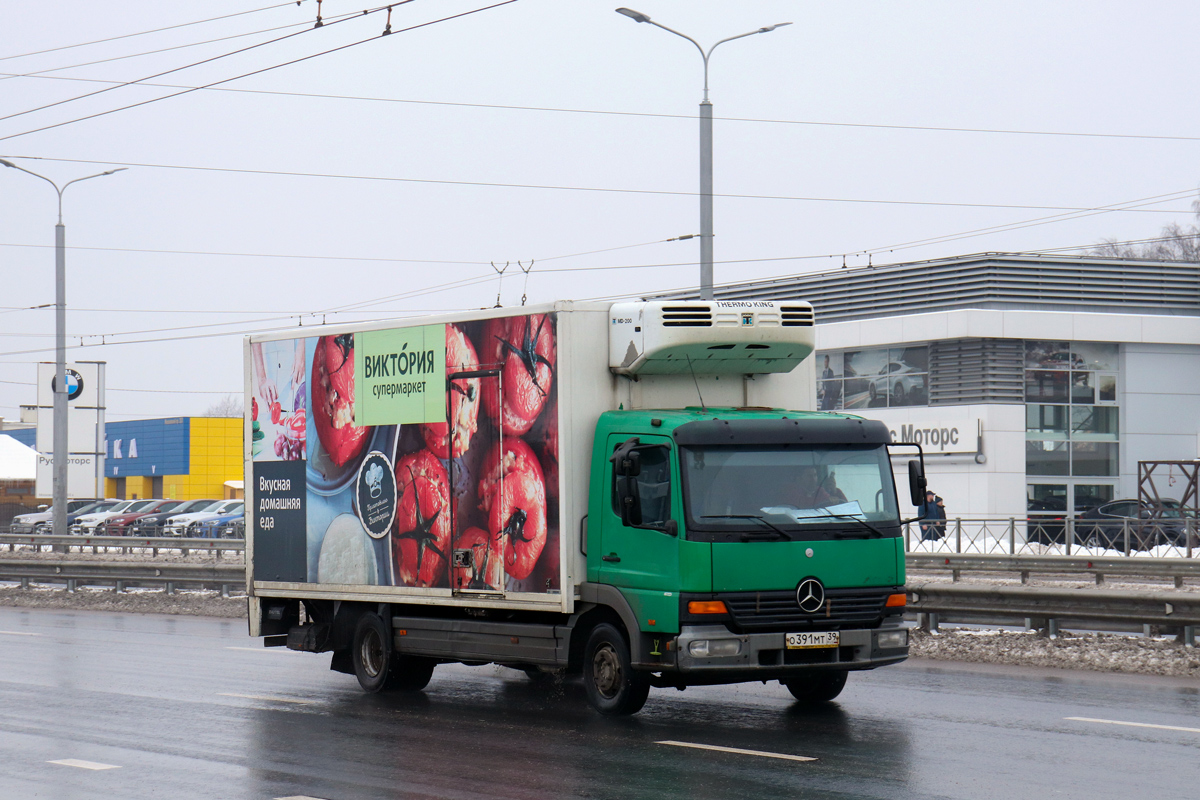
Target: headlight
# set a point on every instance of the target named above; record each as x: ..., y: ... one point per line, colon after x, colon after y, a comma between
x: 888, y: 639
x: 714, y: 648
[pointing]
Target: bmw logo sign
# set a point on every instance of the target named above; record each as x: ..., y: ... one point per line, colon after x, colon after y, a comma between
x: 74, y: 384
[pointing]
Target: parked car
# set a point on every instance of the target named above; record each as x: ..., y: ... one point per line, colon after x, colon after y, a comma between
x: 226, y: 526
x: 86, y: 524
x: 1105, y: 525
x: 47, y: 527
x: 152, y: 524
x: 897, y: 376
x: 1047, y: 521
x: 188, y: 524
x: 28, y: 523
x: 120, y: 525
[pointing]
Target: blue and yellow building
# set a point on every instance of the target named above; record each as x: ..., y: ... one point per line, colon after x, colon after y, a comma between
x: 176, y: 458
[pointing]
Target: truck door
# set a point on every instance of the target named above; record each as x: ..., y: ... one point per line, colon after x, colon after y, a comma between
x: 642, y: 559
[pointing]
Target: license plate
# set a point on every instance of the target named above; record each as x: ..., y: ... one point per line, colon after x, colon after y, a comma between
x: 805, y: 641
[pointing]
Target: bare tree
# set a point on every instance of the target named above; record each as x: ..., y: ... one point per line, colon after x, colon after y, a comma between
x: 1175, y: 243
x: 229, y: 406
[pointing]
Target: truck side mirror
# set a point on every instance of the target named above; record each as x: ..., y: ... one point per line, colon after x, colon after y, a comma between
x: 916, y: 482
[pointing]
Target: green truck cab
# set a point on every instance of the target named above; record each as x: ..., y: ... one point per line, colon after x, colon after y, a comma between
x: 746, y: 544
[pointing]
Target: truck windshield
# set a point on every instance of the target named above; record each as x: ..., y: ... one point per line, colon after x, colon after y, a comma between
x: 782, y: 487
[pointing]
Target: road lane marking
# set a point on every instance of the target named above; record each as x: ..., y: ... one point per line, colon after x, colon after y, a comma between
x: 75, y: 762
x: 1134, y: 724
x: 298, y: 797
x: 18, y: 633
x: 738, y: 751
x: 267, y: 698
x: 261, y: 649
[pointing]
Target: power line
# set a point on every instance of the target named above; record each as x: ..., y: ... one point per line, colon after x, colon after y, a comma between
x: 309, y: 256
x: 45, y: 72
x: 155, y: 30
x: 553, y: 187
x: 264, y: 69
x: 144, y: 391
x: 654, y: 115
x: 123, y: 84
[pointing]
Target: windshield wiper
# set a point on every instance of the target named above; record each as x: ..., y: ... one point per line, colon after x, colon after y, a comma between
x: 839, y: 535
x: 774, y: 528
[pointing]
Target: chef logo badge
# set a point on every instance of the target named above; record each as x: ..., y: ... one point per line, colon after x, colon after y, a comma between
x: 375, y: 494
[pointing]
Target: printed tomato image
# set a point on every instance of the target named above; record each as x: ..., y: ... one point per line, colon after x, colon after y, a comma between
x: 253, y: 408
x: 487, y: 569
x: 513, y: 493
x: 333, y: 399
x: 545, y: 437
x: 524, y: 349
x: 463, y: 399
x: 421, y: 539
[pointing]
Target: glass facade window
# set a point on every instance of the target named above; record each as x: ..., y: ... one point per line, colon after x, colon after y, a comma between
x: 1047, y: 457
x: 879, y: 377
x: 1071, y: 416
x: 1047, y: 421
x: 1094, y: 423
x: 1094, y: 458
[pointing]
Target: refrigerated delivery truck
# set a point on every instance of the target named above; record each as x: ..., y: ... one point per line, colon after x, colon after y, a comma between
x: 636, y: 492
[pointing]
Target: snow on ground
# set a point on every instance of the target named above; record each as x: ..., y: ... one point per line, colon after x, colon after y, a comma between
x: 1099, y: 652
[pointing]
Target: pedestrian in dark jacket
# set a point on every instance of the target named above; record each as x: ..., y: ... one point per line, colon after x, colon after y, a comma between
x: 932, y: 514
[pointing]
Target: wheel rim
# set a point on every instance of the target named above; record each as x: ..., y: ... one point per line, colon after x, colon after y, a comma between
x: 606, y: 671
x: 371, y: 653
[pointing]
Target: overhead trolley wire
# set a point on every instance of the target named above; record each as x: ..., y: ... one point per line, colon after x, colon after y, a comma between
x: 648, y: 114
x: 209, y: 60
x: 155, y: 30
x: 555, y: 187
x: 266, y: 69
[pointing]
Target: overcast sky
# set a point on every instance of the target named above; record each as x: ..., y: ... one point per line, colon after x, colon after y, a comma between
x: 380, y: 180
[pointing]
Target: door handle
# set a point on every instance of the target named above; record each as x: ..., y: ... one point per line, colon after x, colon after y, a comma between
x: 611, y: 557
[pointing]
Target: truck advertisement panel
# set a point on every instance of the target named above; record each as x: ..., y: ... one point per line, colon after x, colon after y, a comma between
x: 424, y: 456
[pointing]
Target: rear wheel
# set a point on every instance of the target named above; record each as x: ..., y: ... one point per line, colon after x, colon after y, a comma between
x: 372, y: 652
x: 613, y: 686
x: 378, y: 667
x: 819, y: 688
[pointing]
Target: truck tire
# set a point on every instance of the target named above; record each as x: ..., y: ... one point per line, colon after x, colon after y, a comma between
x: 819, y: 688
x: 613, y: 686
x: 372, y: 652
x: 410, y: 673
x: 378, y: 666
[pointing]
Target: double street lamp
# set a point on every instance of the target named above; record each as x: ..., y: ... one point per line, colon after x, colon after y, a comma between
x: 706, y: 208
x: 60, y: 349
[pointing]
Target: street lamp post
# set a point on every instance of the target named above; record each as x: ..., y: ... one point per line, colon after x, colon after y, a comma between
x: 706, y: 188
x: 60, y: 349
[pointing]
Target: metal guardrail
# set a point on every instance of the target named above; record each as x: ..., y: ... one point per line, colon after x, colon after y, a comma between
x: 1176, y: 569
x: 1178, y: 538
x: 1051, y: 608
x: 75, y: 572
x: 125, y: 544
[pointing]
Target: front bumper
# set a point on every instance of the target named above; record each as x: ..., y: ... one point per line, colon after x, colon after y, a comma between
x: 764, y: 656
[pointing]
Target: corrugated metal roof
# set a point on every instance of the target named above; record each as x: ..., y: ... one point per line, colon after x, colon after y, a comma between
x: 987, y: 280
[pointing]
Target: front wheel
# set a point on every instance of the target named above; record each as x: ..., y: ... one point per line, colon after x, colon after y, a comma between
x: 613, y: 686
x: 819, y: 688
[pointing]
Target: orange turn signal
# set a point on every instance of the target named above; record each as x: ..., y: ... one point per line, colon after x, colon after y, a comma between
x: 896, y: 600
x: 707, y: 607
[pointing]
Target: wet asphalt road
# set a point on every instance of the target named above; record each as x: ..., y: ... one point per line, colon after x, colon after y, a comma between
x: 189, y: 707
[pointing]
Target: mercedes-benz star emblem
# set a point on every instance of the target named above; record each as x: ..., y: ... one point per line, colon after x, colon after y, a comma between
x: 810, y: 595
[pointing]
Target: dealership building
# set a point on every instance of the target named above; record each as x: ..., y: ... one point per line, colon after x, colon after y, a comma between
x: 1032, y: 382
x: 173, y: 458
